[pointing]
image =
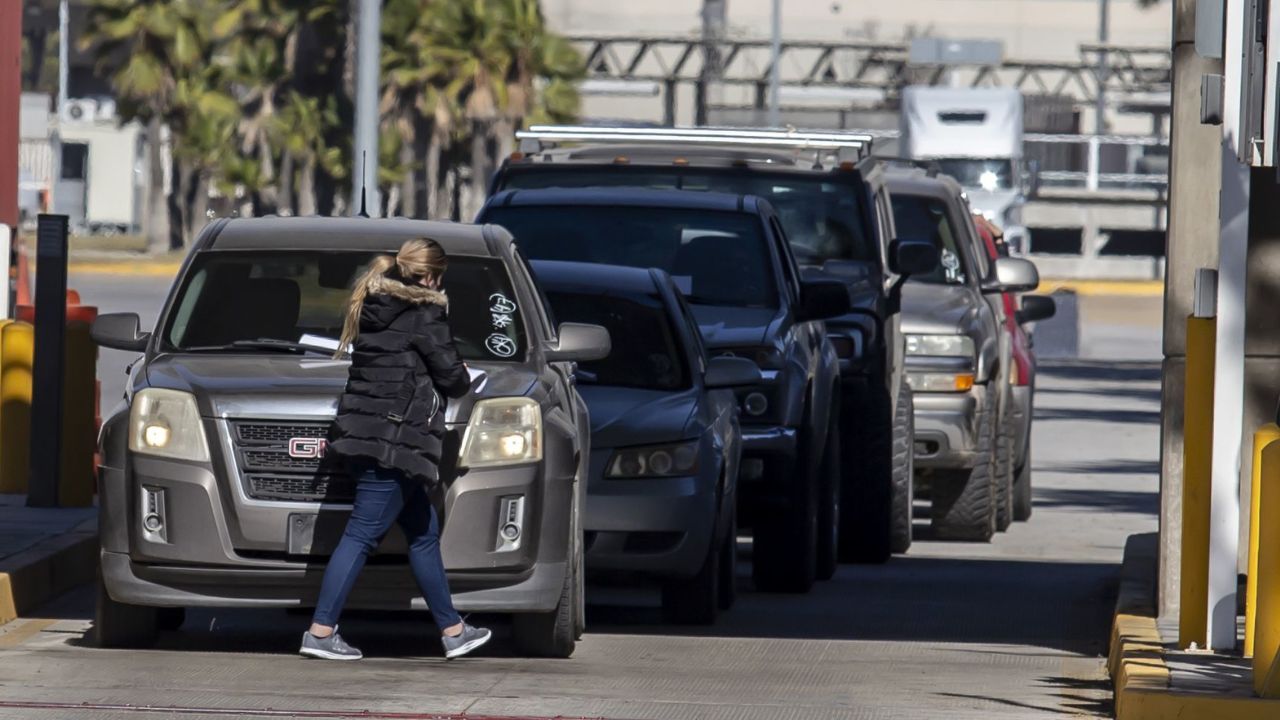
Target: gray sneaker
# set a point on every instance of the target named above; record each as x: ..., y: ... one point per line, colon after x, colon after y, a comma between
x: 469, y: 639
x: 329, y: 648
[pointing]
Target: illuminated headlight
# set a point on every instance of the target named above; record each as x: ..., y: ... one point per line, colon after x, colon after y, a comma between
x: 654, y: 461
x: 940, y: 345
x: 167, y: 424
x: 988, y: 180
x: 502, y: 431
x: 939, y: 382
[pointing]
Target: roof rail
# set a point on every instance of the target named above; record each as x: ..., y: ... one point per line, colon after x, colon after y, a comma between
x: 543, y: 137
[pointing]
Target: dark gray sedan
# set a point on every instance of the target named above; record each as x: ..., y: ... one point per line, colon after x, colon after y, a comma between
x: 665, y: 439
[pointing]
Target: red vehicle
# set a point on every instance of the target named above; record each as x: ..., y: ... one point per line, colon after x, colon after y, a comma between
x: 1023, y: 377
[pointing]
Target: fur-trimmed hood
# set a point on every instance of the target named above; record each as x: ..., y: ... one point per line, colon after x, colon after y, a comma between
x: 413, y: 294
x: 389, y: 298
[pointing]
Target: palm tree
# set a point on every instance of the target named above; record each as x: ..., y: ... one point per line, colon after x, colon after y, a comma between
x: 161, y: 44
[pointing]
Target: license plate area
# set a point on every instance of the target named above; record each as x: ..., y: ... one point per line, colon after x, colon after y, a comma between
x: 315, y: 533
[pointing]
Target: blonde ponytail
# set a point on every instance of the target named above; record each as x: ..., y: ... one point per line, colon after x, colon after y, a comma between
x: 378, y: 269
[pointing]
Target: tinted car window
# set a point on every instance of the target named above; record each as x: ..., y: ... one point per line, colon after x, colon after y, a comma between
x: 251, y: 295
x: 646, y: 348
x: 926, y: 218
x: 822, y: 218
x: 717, y: 258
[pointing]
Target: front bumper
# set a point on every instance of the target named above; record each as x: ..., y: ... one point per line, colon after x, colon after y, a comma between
x: 221, y: 547
x: 947, y: 425
x: 655, y: 526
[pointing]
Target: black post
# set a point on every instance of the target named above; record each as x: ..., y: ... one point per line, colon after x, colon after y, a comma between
x: 47, y: 365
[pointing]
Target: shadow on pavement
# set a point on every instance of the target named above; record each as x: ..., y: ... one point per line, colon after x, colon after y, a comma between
x: 1136, y: 417
x: 1101, y: 370
x: 1106, y: 467
x: 1117, y: 501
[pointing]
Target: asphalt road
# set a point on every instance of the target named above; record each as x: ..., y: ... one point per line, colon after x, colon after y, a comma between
x: 1011, y: 629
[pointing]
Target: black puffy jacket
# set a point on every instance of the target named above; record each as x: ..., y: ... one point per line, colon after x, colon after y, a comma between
x: 403, y: 364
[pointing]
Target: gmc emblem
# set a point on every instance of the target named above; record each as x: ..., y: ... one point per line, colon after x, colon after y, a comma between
x: 307, y: 448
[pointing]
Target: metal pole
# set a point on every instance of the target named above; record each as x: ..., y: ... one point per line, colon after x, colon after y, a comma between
x: 1100, y: 106
x: 64, y: 25
x: 47, y: 361
x: 364, y: 177
x: 775, y: 52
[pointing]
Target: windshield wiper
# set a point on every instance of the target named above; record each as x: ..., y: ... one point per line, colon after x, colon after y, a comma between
x: 263, y: 344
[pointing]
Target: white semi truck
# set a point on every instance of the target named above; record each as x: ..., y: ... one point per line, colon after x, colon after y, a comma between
x: 975, y: 136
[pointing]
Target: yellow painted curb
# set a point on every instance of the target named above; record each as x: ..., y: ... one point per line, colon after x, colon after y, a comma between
x: 147, y: 269
x: 1113, y: 288
x: 1141, y: 678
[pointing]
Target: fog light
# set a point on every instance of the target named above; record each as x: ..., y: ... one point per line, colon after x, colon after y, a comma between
x: 152, y: 523
x: 755, y: 403
x: 153, y: 514
x: 510, y: 523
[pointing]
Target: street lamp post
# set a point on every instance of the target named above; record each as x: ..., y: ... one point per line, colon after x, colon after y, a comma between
x: 364, y: 176
x: 774, y: 55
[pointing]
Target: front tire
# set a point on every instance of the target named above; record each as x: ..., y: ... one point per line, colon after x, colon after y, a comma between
x: 964, y: 500
x: 1022, y: 489
x: 550, y: 634
x: 784, y: 548
x: 867, y: 510
x: 1004, y: 476
x: 118, y: 625
x: 829, y: 506
x: 904, y: 468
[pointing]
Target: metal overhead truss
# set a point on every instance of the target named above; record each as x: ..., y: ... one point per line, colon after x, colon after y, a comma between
x: 678, y: 60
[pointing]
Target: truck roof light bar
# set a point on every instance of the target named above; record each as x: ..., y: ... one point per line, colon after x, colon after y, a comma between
x: 540, y: 137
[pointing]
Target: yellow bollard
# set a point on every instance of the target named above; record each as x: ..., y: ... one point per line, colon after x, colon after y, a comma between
x: 1197, y: 471
x: 76, y: 482
x: 17, y: 346
x: 1266, y: 669
x: 1266, y: 435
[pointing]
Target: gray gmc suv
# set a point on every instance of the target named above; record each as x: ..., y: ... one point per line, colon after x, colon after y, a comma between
x: 215, y: 488
x: 958, y: 357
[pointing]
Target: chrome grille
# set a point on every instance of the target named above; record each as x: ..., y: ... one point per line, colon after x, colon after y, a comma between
x: 270, y: 473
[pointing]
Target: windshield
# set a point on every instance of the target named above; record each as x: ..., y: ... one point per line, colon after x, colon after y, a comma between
x: 717, y: 258
x: 299, y: 297
x: 646, y: 349
x: 925, y: 218
x: 822, y: 218
x: 979, y: 173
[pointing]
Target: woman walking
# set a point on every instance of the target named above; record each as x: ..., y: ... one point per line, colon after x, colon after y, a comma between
x: 390, y: 431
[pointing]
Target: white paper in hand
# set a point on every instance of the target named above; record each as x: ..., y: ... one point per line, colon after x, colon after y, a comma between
x: 478, y: 379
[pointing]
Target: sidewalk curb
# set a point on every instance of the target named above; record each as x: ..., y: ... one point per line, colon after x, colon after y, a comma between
x: 1137, y: 655
x: 53, y: 566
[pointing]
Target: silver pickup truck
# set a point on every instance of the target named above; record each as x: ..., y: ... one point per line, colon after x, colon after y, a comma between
x: 958, y: 357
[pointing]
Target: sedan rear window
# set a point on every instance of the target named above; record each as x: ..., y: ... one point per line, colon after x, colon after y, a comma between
x: 646, y: 348
x: 230, y: 297
x: 718, y: 258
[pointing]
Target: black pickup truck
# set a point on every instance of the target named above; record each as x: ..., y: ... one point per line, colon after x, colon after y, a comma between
x: 831, y: 201
x: 730, y: 258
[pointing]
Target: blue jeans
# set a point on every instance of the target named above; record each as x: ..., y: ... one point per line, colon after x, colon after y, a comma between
x: 383, y: 497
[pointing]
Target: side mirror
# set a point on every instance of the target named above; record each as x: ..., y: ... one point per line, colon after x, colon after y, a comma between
x: 723, y: 372
x: 119, y: 331
x: 822, y: 299
x: 1012, y: 275
x: 1036, y: 308
x: 580, y: 343
x: 911, y: 256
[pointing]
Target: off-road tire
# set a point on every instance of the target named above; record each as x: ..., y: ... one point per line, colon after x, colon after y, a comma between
x: 729, y: 564
x: 866, y: 508
x: 1022, y: 488
x: 904, y: 436
x: 964, y: 501
x: 784, y: 546
x: 829, y: 478
x: 549, y: 634
x: 695, y: 600
x: 117, y: 625
x: 1004, y: 476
